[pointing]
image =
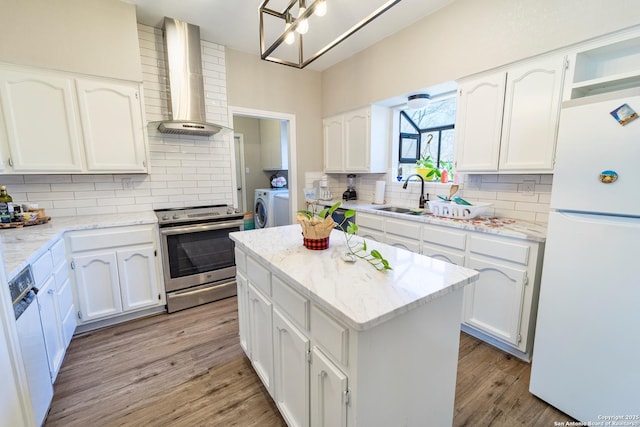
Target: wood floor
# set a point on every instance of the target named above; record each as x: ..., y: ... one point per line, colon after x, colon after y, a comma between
x: 187, y: 369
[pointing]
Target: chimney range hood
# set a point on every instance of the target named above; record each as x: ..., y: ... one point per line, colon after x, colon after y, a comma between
x: 184, y: 68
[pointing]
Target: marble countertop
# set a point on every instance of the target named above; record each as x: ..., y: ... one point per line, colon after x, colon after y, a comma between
x: 354, y: 292
x: 510, y: 227
x: 21, y: 246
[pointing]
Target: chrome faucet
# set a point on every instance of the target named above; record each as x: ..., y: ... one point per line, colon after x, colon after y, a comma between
x: 421, y: 205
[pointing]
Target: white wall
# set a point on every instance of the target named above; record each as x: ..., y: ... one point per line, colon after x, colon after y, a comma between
x: 184, y: 170
x: 96, y: 37
x: 466, y: 37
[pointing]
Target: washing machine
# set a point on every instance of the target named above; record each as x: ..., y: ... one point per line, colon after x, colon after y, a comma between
x: 264, y: 206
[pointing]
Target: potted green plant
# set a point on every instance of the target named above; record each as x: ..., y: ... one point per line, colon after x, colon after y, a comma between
x: 427, y: 169
x: 322, y: 223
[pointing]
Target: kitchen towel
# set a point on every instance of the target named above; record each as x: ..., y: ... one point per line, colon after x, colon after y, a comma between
x: 378, y: 197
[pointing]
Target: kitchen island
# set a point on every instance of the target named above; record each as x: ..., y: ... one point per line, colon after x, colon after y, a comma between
x: 338, y: 343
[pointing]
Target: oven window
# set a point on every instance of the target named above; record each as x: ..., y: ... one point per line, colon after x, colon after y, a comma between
x: 200, y: 252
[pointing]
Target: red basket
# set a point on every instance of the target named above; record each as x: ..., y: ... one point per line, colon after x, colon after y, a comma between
x: 316, y: 244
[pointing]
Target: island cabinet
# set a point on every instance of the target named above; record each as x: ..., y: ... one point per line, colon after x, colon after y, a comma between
x: 357, y: 141
x: 55, y: 122
x: 507, y: 120
x: 115, y: 271
x: 325, y: 365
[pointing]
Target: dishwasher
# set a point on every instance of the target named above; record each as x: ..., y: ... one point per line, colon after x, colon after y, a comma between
x: 32, y: 345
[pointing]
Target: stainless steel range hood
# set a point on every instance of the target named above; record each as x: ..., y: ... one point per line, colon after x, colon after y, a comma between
x: 184, y: 67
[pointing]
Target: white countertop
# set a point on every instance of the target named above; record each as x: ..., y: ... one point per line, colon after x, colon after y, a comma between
x: 509, y: 227
x: 355, y: 293
x: 22, y: 246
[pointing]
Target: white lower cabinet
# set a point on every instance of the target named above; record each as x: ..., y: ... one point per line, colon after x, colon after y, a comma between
x: 500, y: 308
x: 55, y: 302
x: 329, y: 392
x: 115, y: 270
x: 291, y: 367
x: 261, y: 342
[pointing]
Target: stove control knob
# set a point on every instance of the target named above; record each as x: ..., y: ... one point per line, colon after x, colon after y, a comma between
x: 237, y: 210
x: 165, y: 217
x: 176, y: 216
x: 229, y: 210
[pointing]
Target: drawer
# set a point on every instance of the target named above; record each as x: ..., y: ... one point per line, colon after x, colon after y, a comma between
x: 65, y: 298
x: 259, y: 276
x: 444, y: 237
x: 291, y: 302
x: 241, y: 260
x: 61, y: 274
x: 412, y: 245
x: 110, y: 237
x: 438, y: 252
x: 403, y: 228
x: 507, y: 250
x: 371, y: 221
x: 330, y: 335
x: 58, y: 253
x: 370, y: 233
x: 42, y: 268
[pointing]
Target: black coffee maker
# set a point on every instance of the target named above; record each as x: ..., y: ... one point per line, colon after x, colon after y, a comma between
x: 350, y: 194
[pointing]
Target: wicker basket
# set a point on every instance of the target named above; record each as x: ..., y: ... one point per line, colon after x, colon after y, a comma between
x: 454, y: 210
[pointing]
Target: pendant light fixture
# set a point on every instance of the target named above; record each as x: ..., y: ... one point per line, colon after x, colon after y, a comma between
x: 301, y: 25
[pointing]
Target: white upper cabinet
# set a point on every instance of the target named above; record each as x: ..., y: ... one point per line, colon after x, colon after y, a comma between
x: 507, y: 121
x: 41, y: 125
x: 112, y: 126
x: 54, y: 122
x: 479, y: 123
x: 273, y: 145
x: 357, y: 141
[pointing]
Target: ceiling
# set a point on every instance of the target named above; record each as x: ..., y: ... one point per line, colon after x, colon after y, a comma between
x: 235, y: 23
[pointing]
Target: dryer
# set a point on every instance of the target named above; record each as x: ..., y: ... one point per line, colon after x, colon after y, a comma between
x: 264, y: 211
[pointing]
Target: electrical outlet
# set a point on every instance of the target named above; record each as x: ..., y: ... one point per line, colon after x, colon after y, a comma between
x: 126, y: 184
x: 528, y: 187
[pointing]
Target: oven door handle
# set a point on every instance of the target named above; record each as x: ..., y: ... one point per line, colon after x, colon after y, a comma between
x: 200, y: 227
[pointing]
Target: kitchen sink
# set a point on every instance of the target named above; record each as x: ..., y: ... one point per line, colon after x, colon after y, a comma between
x: 395, y: 209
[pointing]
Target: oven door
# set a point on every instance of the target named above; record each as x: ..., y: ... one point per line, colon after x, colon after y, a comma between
x: 197, y: 254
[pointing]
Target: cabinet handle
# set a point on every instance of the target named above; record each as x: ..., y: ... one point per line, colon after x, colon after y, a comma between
x: 50, y: 291
x: 79, y: 315
x: 73, y: 265
x: 10, y: 161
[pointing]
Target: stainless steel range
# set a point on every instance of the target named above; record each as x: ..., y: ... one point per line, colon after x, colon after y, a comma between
x: 197, y: 254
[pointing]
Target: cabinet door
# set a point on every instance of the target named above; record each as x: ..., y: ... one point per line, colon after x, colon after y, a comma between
x: 493, y: 303
x: 531, y: 112
x: 260, y: 324
x: 66, y: 311
x: 333, y: 144
x: 271, y: 147
x: 41, y: 122
x: 111, y: 118
x: 96, y: 277
x: 47, y: 302
x: 412, y: 245
x: 371, y: 234
x: 328, y: 392
x: 479, y: 123
x: 357, y: 140
x: 138, y: 279
x: 243, y: 314
x: 291, y: 369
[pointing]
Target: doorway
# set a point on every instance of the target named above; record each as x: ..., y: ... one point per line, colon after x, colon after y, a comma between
x: 246, y: 175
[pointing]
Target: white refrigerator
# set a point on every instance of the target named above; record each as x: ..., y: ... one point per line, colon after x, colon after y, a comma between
x: 586, y: 355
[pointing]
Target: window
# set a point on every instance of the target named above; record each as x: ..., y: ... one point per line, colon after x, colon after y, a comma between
x: 427, y: 131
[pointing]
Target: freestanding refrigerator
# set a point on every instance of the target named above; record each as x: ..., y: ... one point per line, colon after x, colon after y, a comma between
x: 586, y: 355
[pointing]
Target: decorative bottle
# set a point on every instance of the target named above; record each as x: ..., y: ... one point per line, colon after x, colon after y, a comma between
x: 6, y: 205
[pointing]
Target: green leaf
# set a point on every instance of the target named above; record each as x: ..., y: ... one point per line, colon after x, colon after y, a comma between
x: 349, y: 213
x: 333, y: 208
x: 364, y: 245
x: 376, y: 254
x: 352, y: 228
x: 323, y: 213
x: 308, y: 214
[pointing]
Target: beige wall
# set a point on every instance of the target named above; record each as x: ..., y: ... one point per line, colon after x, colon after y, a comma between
x: 464, y: 38
x: 96, y: 37
x: 253, y: 83
x: 250, y: 129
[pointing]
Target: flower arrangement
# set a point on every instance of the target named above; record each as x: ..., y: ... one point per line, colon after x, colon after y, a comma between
x: 320, y: 226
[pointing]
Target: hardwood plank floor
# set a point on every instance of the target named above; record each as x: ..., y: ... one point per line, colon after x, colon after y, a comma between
x: 187, y: 369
